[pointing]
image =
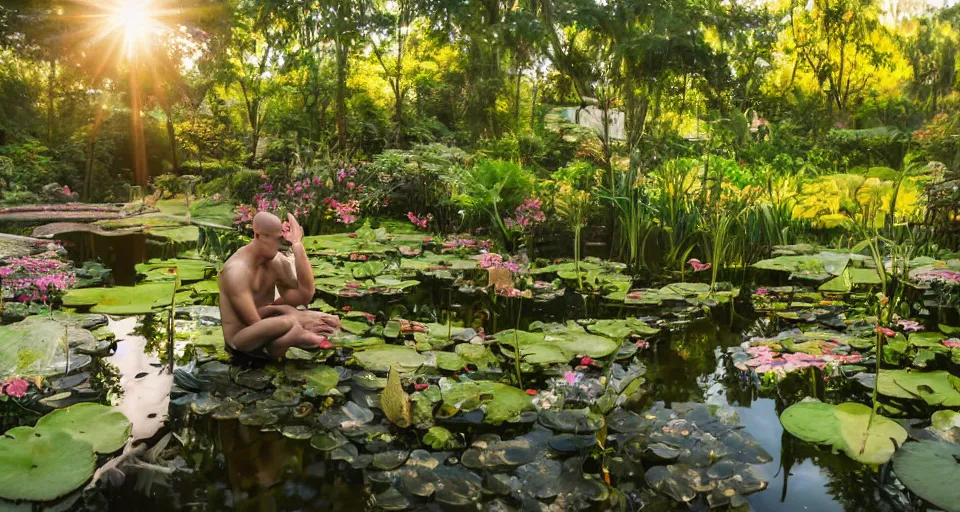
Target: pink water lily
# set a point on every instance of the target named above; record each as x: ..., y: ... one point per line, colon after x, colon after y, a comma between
x: 761, y: 292
x: 910, y: 325
x: 15, y: 387
x: 885, y: 331
x: 572, y: 378
x: 697, y: 265
x: 951, y: 342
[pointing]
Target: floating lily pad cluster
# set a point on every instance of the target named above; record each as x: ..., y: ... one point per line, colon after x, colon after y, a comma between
x: 403, y: 402
x: 795, y: 350
x: 58, y: 455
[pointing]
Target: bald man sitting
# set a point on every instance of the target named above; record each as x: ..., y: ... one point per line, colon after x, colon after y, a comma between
x: 255, y: 320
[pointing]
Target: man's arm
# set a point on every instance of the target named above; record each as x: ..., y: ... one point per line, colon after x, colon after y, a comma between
x: 241, y: 297
x: 298, y: 290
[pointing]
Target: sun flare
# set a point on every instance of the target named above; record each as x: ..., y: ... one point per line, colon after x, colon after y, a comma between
x: 135, y: 22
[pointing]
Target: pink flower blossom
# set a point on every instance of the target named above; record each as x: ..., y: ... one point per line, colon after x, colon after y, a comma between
x: 697, y: 265
x: 420, y: 222
x: 885, y: 331
x: 586, y: 361
x: 642, y: 344
x: 761, y: 292
x: 910, y: 325
x: 15, y: 387
x: 951, y: 342
x: 572, y: 378
x: 420, y: 386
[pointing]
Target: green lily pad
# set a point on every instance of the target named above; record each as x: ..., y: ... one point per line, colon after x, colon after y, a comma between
x: 817, y: 267
x: 157, y: 270
x: 499, y: 402
x: 120, y: 300
x: 620, y: 329
x: 395, y: 402
x: 43, y: 465
x: 381, y: 357
x: 556, y: 346
x: 440, y: 438
x: 35, y: 346
x: 181, y: 234
x: 931, y: 469
x: 934, y: 388
x: 105, y: 428
x: 844, y: 427
x: 318, y: 380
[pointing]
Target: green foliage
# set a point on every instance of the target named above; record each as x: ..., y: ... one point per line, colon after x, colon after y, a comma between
x: 241, y: 186
x: 870, y: 147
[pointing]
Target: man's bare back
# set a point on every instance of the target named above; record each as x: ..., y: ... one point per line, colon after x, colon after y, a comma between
x: 257, y: 321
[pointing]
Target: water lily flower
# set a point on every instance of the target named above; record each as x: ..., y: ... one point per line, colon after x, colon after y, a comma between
x: 531, y: 392
x: 572, y: 378
x: 761, y: 291
x: 643, y: 344
x: 586, y: 361
x: 427, y: 239
x: 15, y: 387
x: 885, y: 331
x: 697, y: 265
x: 420, y: 386
x: 951, y: 343
x: 910, y: 325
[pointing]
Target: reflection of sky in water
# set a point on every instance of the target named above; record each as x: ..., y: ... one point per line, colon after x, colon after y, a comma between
x: 145, y: 400
x: 806, y: 485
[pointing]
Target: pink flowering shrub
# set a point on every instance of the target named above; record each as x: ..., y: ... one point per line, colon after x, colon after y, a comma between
x: 35, y: 279
x: 420, y: 222
x: 527, y: 216
x: 314, y: 200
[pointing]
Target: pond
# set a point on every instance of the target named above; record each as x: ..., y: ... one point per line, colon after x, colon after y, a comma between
x: 683, y: 422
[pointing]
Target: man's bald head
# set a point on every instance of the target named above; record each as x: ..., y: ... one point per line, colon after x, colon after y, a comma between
x: 266, y: 223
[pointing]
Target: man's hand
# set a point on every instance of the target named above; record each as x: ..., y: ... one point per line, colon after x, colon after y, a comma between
x: 292, y: 230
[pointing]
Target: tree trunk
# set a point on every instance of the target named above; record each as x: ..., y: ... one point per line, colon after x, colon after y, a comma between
x: 341, y: 108
x: 171, y: 134
x: 51, y: 84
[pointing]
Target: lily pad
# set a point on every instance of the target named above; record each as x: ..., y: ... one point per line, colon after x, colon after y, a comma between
x: 499, y: 402
x: 844, y: 427
x: 120, y: 300
x: 43, y: 465
x: 395, y: 402
x: 934, y: 388
x: 35, y: 346
x: 931, y: 469
x: 381, y: 358
x: 105, y: 428
x: 619, y: 329
x: 157, y: 270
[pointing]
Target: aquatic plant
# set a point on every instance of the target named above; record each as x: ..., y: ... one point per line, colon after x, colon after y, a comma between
x: 574, y: 207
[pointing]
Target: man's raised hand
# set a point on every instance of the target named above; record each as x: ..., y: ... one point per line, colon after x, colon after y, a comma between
x: 292, y: 232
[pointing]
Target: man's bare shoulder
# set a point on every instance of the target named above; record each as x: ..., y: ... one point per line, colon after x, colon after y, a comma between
x: 236, y: 271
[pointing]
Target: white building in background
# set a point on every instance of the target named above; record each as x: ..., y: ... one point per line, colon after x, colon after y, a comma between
x: 592, y: 117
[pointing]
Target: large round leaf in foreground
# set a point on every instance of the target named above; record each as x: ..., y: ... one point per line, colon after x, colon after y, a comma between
x: 42, y: 465
x: 845, y: 428
x: 931, y: 469
x: 103, y: 427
